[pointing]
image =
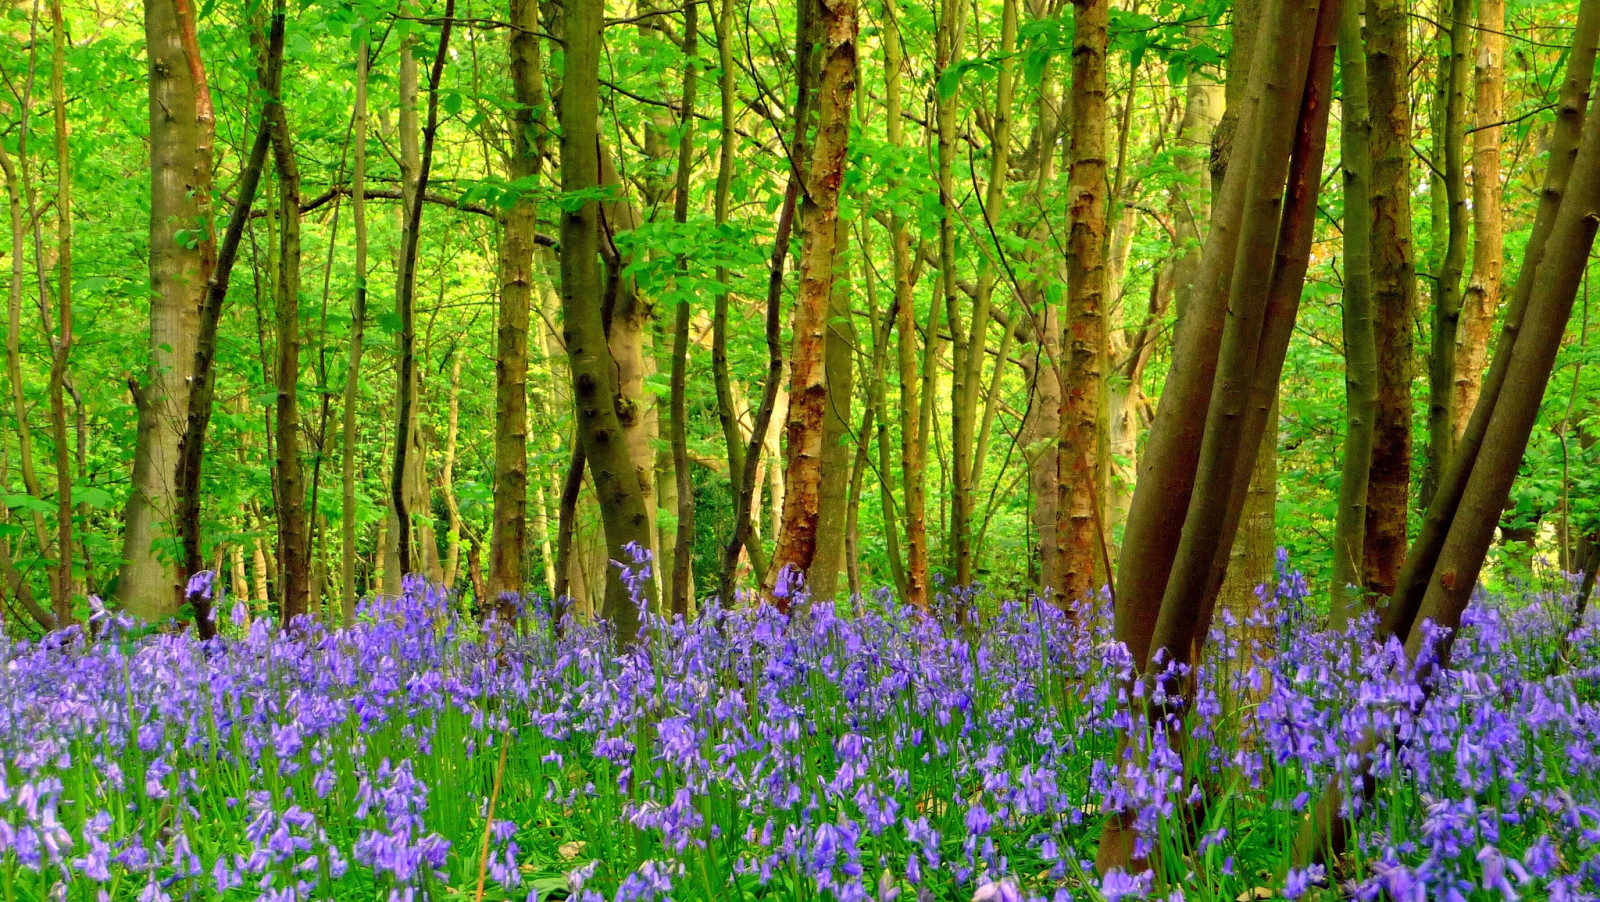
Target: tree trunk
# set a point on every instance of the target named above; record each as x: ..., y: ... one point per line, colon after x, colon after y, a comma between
x: 30, y: 477
x: 405, y: 300
x: 683, y: 550
x: 1079, y: 536
x: 61, y: 598
x: 819, y: 246
x: 180, y: 185
x: 1394, y: 293
x: 622, y: 500
x: 358, y: 324
x: 293, y: 537
x: 629, y: 333
x: 1361, y: 362
x: 1482, y: 296
x: 447, y: 476
x: 1413, y: 582
x: 191, y: 448
x: 516, y: 290
x: 1447, y: 295
x: 833, y: 494
x: 913, y: 439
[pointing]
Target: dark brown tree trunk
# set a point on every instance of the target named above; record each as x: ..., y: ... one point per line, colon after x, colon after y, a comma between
x: 913, y: 441
x: 61, y: 598
x: 1394, y: 292
x: 293, y: 533
x: 406, y: 302
x: 358, y: 324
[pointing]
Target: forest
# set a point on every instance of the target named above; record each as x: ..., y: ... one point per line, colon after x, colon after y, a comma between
x: 1008, y: 450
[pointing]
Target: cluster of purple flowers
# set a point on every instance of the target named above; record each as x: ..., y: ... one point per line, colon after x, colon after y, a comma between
x: 870, y: 754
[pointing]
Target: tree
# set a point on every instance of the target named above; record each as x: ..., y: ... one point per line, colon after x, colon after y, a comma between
x: 1394, y: 293
x: 622, y: 503
x: 181, y: 121
x: 516, y: 289
x: 819, y: 245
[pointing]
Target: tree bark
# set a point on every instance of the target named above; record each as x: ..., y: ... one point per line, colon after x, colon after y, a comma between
x: 1361, y: 361
x: 358, y: 325
x: 833, y: 494
x: 202, y: 392
x: 1482, y: 296
x: 1079, y: 534
x: 622, y: 500
x: 516, y: 290
x: 405, y: 300
x: 293, y: 535
x: 1413, y: 582
x: 683, y: 550
x: 62, y: 597
x: 913, y: 440
x: 19, y: 402
x: 819, y: 246
x: 1447, y: 294
x: 1394, y: 293
x: 180, y: 185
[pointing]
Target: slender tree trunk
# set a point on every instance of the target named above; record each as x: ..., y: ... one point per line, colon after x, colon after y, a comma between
x: 1394, y: 292
x: 622, y: 500
x: 727, y: 406
x: 1447, y: 296
x: 358, y: 325
x: 191, y: 448
x: 948, y: 41
x: 913, y: 440
x: 30, y: 477
x: 1361, y: 362
x: 62, y: 597
x: 805, y: 66
x: 1482, y: 297
x: 1079, y: 535
x: 447, y: 474
x: 819, y: 246
x: 683, y: 550
x: 180, y: 173
x: 516, y: 291
x: 406, y: 301
x: 293, y: 534
x: 971, y: 348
